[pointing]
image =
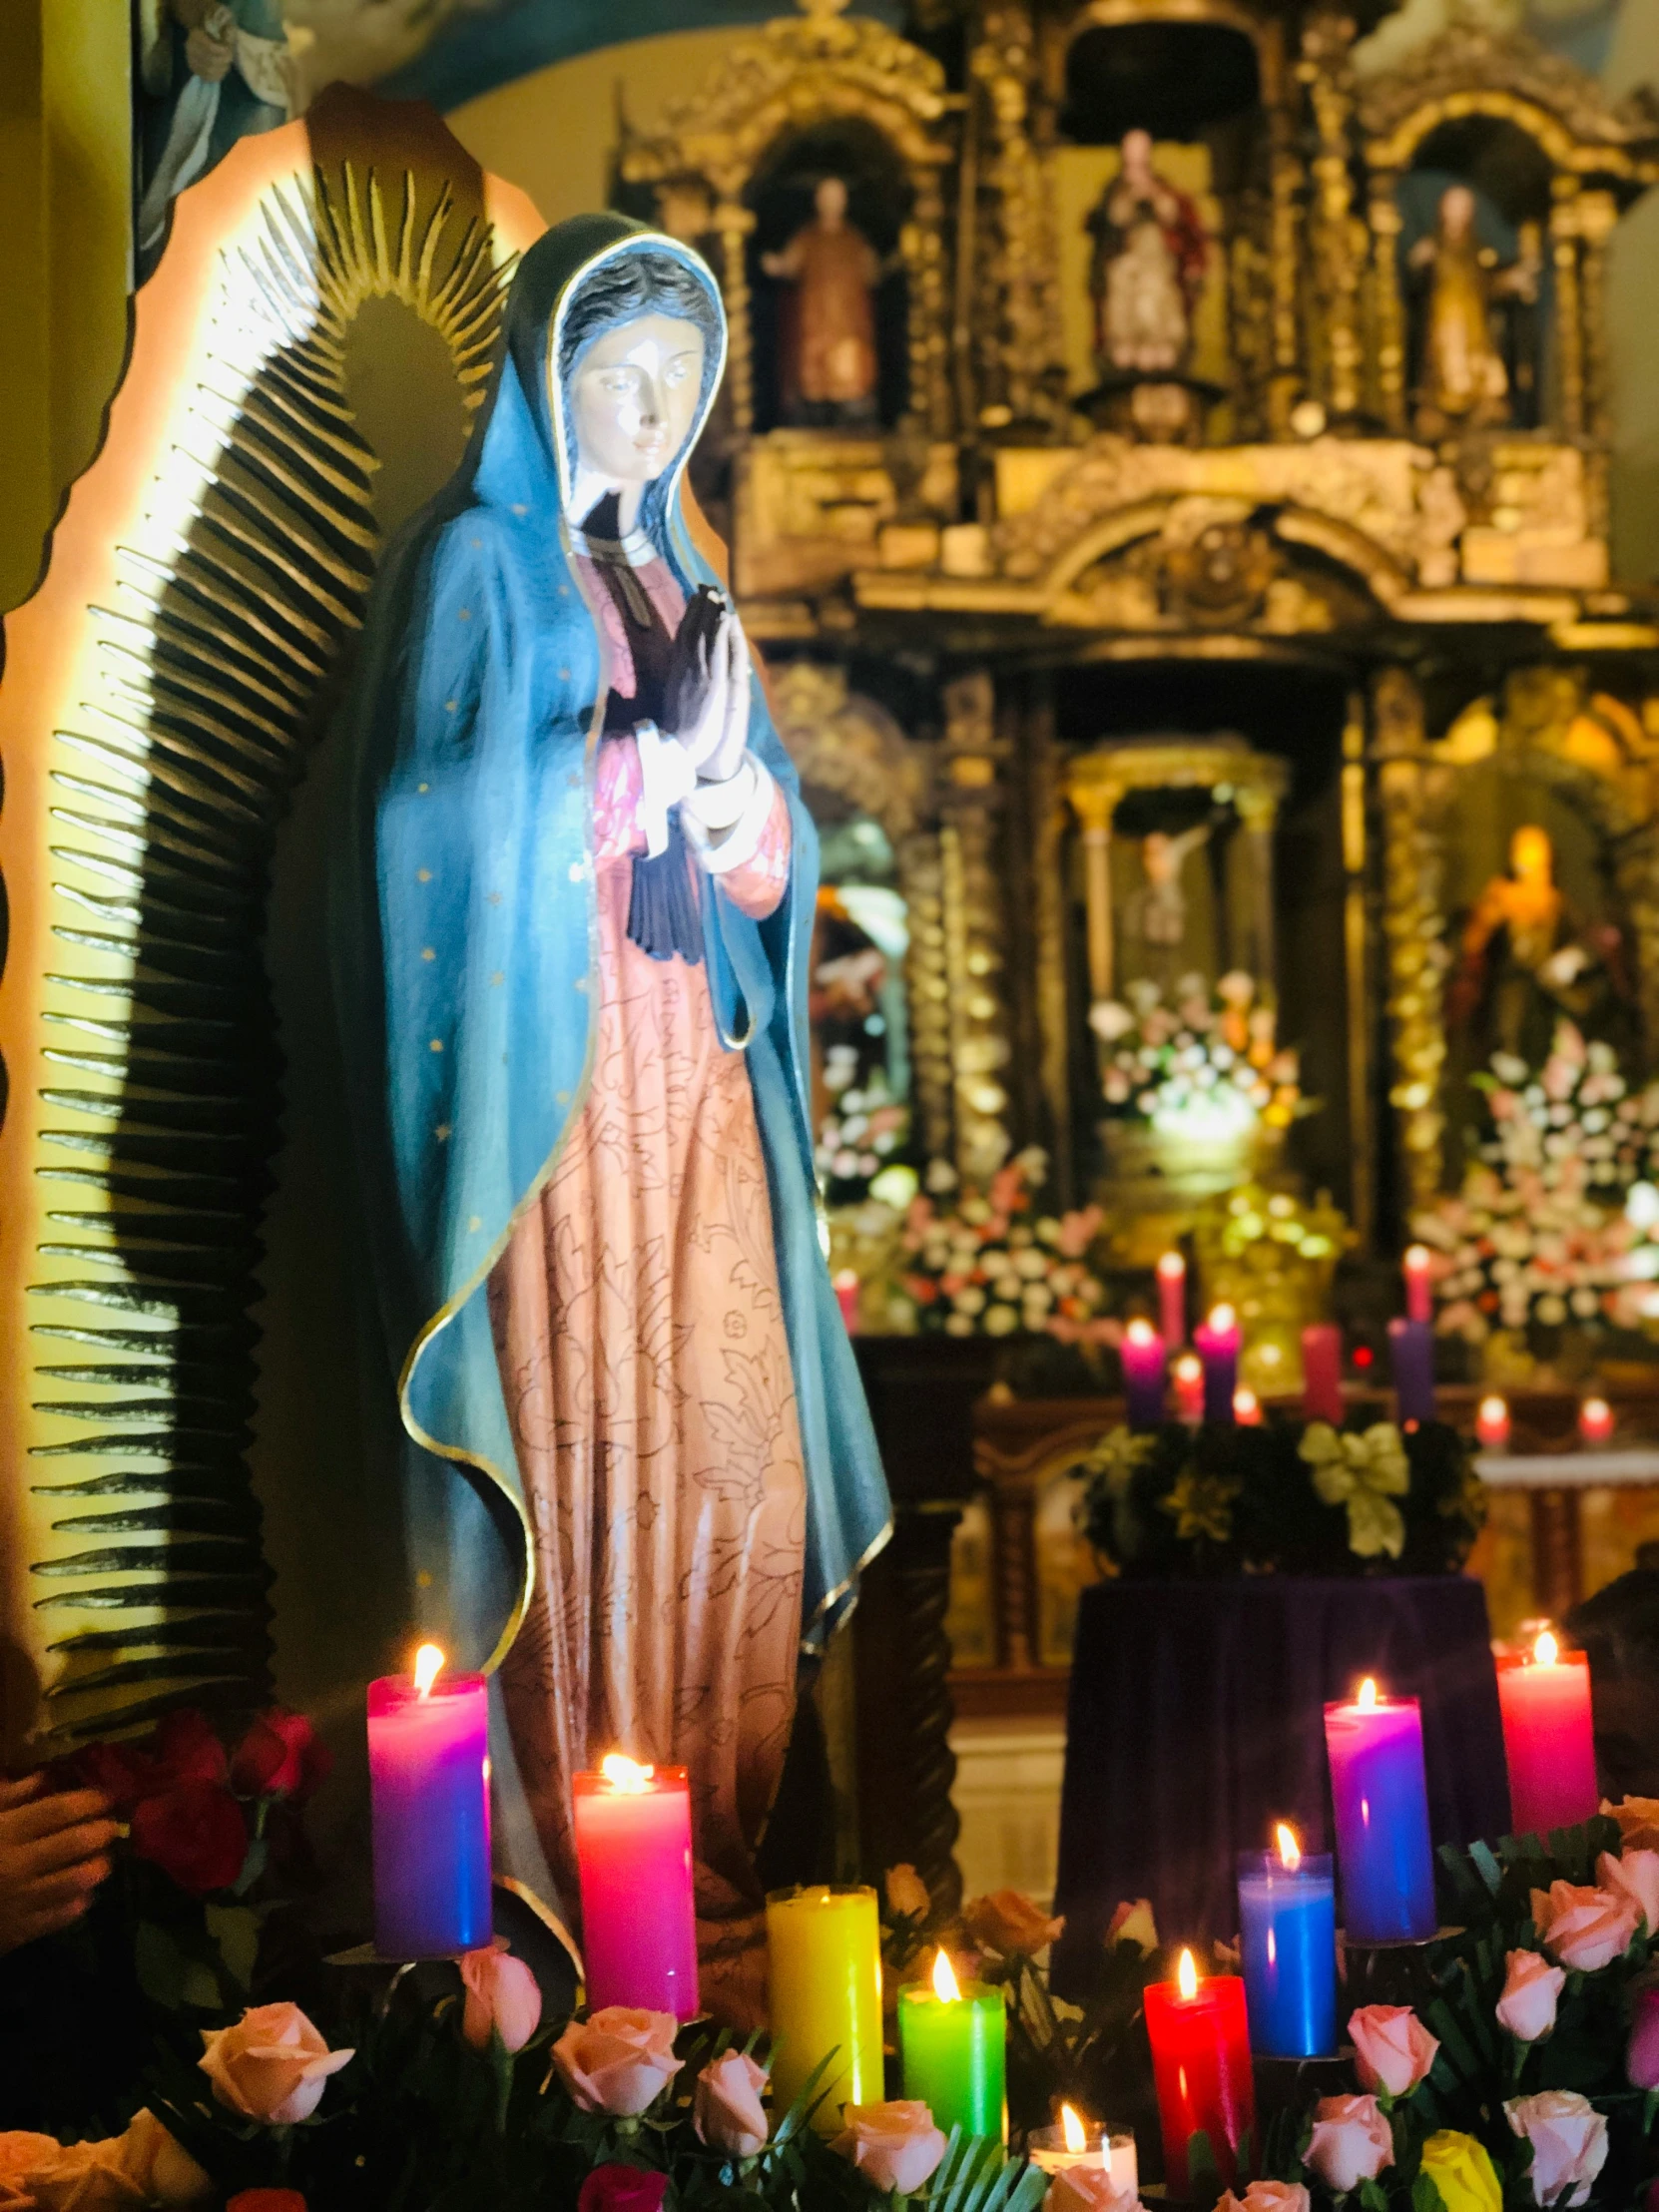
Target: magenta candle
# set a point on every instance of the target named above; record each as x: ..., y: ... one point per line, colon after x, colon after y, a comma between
x: 1379, y: 1795
x: 1218, y: 1340
x: 428, y: 1773
x: 1322, y: 1373
x: 1188, y: 1377
x: 634, y: 1856
x: 1418, y: 1269
x: 1171, y: 1300
x: 1143, y: 1374
x: 1548, y: 1741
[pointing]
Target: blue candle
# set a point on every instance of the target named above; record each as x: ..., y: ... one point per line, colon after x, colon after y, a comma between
x: 1216, y: 1342
x: 1411, y: 1357
x: 1287, y: 1918
x: 1143, y: 1374
x: 428, y: 1770
x: 1379, y: 1795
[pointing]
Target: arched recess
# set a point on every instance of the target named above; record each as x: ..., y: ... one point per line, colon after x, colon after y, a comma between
x: 163, y: 693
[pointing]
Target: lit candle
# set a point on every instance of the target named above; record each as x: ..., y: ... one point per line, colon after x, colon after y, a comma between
x: 1596, y: 1423
x: 1379, y: 1794
x: 952, y: 2041
x: 1201, y: 2065
x: 634, y: 1859
x: 1172, y: 1299
x: 825, y: 1984
x: 1411, y: 1357
x: 847, y: 1298
x: 1188, y: 1377
x: 1143, y: 1374
x: 1322, y: 1373
x: 1287, y: 1918
x: 1491, y: 1423
x: 1218, y: 1347
x: 1078, y: 2143
x: 429, y: 1772
x: 1420, y: 1282
x: 1548, y: 1741
x: 1247, y: 1409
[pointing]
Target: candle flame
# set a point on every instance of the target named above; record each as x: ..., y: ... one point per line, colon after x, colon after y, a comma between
x: 1222, y: 1320
x: 1546, y: 1650
x: 1595, y: 1416
x: 1290, y: 1851
x: 1141, y: 1333
x: 428, y: 1662
x: 625, y: 1774
x: 1494, y: 1411
x: 1367, y: 1695
x: 1189, y: 1367
x: 1172, y: 1265
x: 1416, y: 1260
x: 1185, y: 1975
x: 1071, y: 2128
x: 1247, y: 1408
x: 944, y: 1981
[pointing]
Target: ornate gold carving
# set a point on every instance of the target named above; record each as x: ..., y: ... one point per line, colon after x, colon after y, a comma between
x: 1338, y: 241
x: 1355, y: 969
x: 971, y: 884
x: 1019, y: 332
x: 1413, y: 930
x: 811, y: 506
x: 850, y: 745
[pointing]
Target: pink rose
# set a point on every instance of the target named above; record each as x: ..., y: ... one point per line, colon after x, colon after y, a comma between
x: 618, y: 2060
x: 616, y: 2188
x: 1392, y: 2051
x: 1007, y: 1922
x: 271, y: 2066
x: 1133, y: 1924
x: 1268, y: 2196
x: 502, y: 1997
x: 84, y: 2177
x: 162, y: 2167
x: 908, y: 1894
x: 1582, y: 1926
x: 1569, y: 2143
x: 1530, y: 1990
x: 895, y: 2146
x: 1641, y: 2055
x: 727, y: 2112
x: 1352, y: 2142
x: 1089, y: 2188
x: 1635, y: 1875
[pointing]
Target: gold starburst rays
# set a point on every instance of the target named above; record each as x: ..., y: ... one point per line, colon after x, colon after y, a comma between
x: 160, y: 717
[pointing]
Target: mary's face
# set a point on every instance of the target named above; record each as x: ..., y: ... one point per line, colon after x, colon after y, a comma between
x: 634, y: 396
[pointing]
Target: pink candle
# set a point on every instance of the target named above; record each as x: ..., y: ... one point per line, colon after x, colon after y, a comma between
x: 1142, y: 1352
x: 1188, y: 1377
x: 1321, y: 1372
x: 1218, y: 1340
x: 428, y: 1774
x: 1171, y: 1300
x: 1491, y: 1423
x: 1596, y: 1423
x: 633, y: 1855
x: 1419, y: 1284
x: 1544, y: 1695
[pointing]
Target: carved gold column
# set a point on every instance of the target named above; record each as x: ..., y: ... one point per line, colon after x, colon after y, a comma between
x: 924, y: 250
x: 928, y: 989
x: 1327, y: 73
x: 1285, y: 244
x: 734, y: 222
x: 1048, y: 817
x: 1414, y: 929
x: 974, y: 933
x: 1569, y: 318
x: 1362, y: 1132
x: 1094, y: 804
x: 1020, y: 274
x: 1259, y: 810
x: 1387, y: 314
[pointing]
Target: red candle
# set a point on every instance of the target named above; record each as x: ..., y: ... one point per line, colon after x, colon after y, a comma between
x: 1188, y: 1377
x: 1201, y: 2065
x: 1544, y: 1696
x: 847, y: 1298
x: 1491, y: 1423
x: 1171, y: 1300
x: 1596, y: 1423
x: 1321, y: 1372
x: 1419, y: 1285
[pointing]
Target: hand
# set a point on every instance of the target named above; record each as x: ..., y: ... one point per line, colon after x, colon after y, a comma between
x: 717, y: 742
x: 208, y: 58
x: 53, y: 1854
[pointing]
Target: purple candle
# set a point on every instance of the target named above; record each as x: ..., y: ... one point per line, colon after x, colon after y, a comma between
x: 428, y: 1770
x: 1379, y: 1795
x: 1143, y: 1374
x: 1217, y: 1340
x: 1411, y: 1357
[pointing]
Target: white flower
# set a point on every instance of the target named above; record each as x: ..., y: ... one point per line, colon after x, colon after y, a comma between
x: 1569, y: 2143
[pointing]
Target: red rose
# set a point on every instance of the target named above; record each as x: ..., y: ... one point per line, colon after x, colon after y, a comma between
x: 267, y: 2200
x: 620, y: 2189
x: 189, y: 1750
x: 125, y: 1773
x: 279, y: 1757
x: 195, y: 1834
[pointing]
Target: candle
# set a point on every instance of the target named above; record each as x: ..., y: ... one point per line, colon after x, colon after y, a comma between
x: 951, y: 2041
x: 826, y: 1958
x: 1420, y: 1282
x: 1287, y: 1918
x: 1596, y: 1423
x: 1188, y: 1377
x: 429, y: 1772
x: 1379, y: 1795
x: 1321, y: 1372
x: 1247, y: 1409
x: 847, y: 1298
x: 1544, y: 1696
x: 1143, y: 1374
x: 1077, y: 2142
x: 1491, y: 1423
x: 1411, y: 1357
x: 1172, y: 1299
x: 634, y: 1859
x: 1218, y: 1347
x: 1201, y: 2067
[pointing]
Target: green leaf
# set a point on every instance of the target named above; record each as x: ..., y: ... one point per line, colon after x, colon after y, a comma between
x: 161, y: 1965
x: 235, y: 1930
x: 1424, y: 2196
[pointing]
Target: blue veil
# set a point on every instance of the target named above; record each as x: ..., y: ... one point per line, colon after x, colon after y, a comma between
x: 464, y: 943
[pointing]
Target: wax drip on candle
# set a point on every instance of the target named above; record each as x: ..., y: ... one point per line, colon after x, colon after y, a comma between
x: 625, y: 1774
x: 1073, y: 2130
x: 1546, y: 1650
x: 944, y: 1981
x: 1367, y: 1695
x: 429, y: 1663
x: 1185, y: 1975
x: 1290, y: 1851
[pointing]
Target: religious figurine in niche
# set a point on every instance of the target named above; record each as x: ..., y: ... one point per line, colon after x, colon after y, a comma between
x: 571, y: 927
x: 1526, y: 961
x: 210, y: 72
x: 827, y: 334
x: 1147, y: 269
x: 1156, y: 912
x: 1462, y: 379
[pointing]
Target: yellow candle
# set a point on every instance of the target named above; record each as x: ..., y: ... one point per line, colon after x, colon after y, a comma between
x: 826, y: 1948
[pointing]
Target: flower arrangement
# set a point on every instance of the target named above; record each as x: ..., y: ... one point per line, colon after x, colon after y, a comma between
x: 1287, y: 1496
x: 864, y: 1132
x: 990, y: 1265
x: 1208, y: 1064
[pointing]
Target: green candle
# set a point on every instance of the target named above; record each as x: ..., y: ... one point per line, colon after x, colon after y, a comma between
x: 952, y: 2041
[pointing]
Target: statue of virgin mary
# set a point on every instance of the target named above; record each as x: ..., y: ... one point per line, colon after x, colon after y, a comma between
x: 572, y: 919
